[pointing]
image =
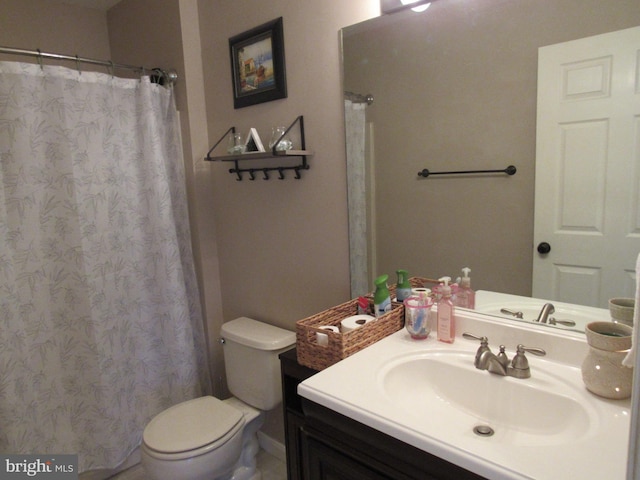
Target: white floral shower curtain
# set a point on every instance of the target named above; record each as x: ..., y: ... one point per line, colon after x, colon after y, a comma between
x: 356, y: 195
x: 100, y: 322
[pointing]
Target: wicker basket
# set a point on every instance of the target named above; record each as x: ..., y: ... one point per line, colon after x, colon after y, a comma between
x: 341, y: 345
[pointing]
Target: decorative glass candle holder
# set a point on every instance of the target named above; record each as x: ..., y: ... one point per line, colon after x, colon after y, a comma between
x: 235, y: 145
x: 416, y: 316
x: 282, y: 145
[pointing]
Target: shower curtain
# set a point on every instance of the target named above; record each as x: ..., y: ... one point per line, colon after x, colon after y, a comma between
x: 100, y: 321
x: 356, y: 195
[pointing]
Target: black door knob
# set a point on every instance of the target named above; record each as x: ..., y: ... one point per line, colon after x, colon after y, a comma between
x: 544, y: 248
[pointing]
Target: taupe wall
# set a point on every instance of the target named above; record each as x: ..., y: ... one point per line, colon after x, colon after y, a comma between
x: 283, y: 244
x: 53, y: 27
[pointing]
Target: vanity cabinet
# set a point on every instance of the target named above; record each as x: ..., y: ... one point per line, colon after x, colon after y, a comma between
x: 337, y: 447
x: 323, y: 444
x: 292, y: 374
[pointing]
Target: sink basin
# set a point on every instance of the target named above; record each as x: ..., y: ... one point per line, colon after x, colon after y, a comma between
x: 541, y: 410
x: 428, y: 394
x: 492, y: 302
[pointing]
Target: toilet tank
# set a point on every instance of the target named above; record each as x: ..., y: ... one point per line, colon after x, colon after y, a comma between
x: 251, y: 350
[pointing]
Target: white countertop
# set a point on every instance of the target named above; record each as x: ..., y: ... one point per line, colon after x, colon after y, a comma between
x: 352, y: 387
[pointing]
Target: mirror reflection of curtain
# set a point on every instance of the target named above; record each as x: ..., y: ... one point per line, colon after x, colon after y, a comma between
x: 100, y: 321
x: 355, y: 123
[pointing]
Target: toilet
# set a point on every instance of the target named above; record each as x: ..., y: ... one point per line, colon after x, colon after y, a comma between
x: 211, y: 439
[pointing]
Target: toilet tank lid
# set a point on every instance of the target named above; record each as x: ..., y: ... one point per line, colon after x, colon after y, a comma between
x: 255, y: 334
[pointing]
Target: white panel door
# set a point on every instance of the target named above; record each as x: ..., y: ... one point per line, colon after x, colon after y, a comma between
x: 587, y: 206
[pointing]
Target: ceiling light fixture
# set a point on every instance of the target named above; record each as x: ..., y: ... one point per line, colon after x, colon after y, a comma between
x: 393, y: 6
x: 418, y: 9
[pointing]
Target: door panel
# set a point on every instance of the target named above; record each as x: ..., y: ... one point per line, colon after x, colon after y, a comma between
x: 587, y: 174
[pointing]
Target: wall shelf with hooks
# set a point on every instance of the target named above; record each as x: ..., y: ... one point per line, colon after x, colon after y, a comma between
x: 265, y: 172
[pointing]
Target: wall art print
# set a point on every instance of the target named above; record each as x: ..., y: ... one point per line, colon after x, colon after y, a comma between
x: 257, y: 65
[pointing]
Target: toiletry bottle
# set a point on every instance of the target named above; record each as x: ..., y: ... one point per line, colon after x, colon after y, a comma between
x: 454, y: 293
x: 466, y: 298
x: 403, y: 288
x: 381, y: 297
x: 363, y: 306
x: 446, y: 313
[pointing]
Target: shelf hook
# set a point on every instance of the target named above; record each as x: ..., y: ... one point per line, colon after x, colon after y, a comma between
x: 280, y: 173
x: 252, y: 174
x: 265, y: 172
x: 297, y: 170
x: 237, y: 172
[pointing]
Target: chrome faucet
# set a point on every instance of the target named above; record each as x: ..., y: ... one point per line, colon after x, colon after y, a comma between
x: 499, y: 364
x: 547, y: 309
x: 543, y: 317
x: 491, y: 362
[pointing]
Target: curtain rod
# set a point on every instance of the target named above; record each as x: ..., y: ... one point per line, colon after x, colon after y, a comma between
x: 169, y: 77
x: 358, y: 98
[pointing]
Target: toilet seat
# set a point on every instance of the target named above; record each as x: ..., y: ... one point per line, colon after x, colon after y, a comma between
x: 192, y: 428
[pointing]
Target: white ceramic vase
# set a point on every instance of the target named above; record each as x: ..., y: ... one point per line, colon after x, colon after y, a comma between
x: 602, y: 369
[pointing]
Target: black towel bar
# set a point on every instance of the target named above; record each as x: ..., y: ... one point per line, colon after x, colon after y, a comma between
x: 510, y: 170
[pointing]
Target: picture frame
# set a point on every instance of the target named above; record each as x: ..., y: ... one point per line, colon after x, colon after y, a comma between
x: 258, y: 65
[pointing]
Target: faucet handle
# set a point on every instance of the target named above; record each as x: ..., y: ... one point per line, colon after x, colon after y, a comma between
x: 535, y: 350
x: 471, y: 336
x: 520, y: 364
x: 484, y: 346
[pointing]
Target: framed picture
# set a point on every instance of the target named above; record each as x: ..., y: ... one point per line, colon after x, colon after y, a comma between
x: 257, y: 65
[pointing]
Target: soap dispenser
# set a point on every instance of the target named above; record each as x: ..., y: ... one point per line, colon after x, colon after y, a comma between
x: 446, y: 313
x: 381, y: 297
x: 403, y: 288
x: 466, y: 297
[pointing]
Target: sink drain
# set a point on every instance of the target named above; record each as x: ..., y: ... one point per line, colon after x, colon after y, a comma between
x: 483, y: 430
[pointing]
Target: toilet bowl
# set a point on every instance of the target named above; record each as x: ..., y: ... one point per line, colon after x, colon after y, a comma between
x: 211, y: 439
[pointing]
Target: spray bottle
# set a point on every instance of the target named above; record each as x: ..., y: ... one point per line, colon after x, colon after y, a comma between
x: 403, y: 288
x: 381, y: 297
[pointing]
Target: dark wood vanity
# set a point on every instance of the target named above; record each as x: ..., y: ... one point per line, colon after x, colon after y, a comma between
x: 323, y: 444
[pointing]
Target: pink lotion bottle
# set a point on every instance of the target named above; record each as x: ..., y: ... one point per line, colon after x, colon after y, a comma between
x: 446, y: 313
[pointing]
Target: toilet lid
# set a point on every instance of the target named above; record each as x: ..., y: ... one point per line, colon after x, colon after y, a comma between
x: 190, y: 425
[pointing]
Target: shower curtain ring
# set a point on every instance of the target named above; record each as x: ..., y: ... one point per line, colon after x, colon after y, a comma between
x: 78, y: 65
x: 40, y: 59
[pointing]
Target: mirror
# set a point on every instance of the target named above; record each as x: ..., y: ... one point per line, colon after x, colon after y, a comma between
x: 454, y: 88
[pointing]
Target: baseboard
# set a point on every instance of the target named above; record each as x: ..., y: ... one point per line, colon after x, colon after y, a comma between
x: 272, y: 446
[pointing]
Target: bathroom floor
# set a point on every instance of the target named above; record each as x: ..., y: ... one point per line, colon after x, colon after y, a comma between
x: 272, y: 468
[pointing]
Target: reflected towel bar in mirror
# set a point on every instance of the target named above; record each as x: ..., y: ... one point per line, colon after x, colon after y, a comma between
x: 510, y: 170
